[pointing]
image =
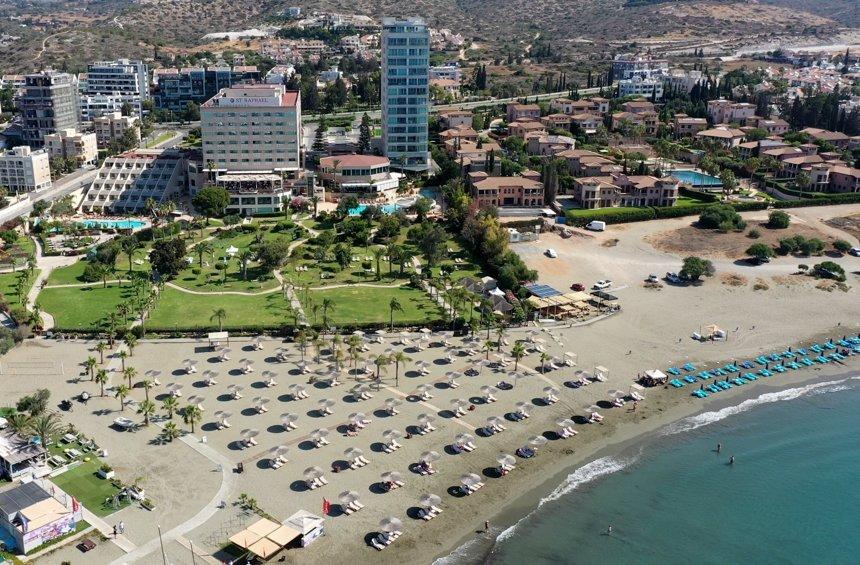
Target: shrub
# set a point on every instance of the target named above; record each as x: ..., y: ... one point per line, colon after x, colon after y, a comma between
x: 791, y: 244
x: 196, y: 270
x: 717, y: 216
x: 726, y: 226
x: 812, y: 246
x: 760, y: 251
x: 695, y: 268
x: 829, y: 270
x: 841, y: 246
x: 778, y: 220
x: 754, y: 234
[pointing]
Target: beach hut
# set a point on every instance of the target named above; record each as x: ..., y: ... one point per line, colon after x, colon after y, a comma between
x: 309, y: 526
x: 654, y: 377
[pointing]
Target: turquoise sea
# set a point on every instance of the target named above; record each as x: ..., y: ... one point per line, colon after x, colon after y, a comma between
x: 792, y: 495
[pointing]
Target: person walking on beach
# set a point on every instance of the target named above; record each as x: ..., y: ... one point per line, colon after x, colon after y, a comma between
x: 114, y: 530
x: 486, y: 525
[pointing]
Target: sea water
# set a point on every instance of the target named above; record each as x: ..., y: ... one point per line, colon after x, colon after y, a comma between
x: 791, y: 496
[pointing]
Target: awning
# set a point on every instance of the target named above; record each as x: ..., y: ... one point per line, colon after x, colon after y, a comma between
x: 284, y: 535
x: 265, y: 548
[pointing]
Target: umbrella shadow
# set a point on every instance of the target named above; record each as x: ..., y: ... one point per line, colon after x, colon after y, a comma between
x: 276, y: 429
x: 381, y: 413
x: 315, y: 413
x: 414, y: 512
x: 178, y: 372
x: 455, y: 491
x: 579, y: 419
x: 449, y: 449
x: 377, y: 447
x: 224, y: 397
x: 539, y: 402
x: 299, y: 486
x: 491, y: 473
x: 264, y: 463
x: 368, y: 538
x: 377, y: 488
x: 235, y: 445
x: 258, y: 384
x: 413, y: 430
x: 209, y: 427
x: 447, y: 414
x: 605, y: 404
x: 248, y: 412
x: 307, y: 445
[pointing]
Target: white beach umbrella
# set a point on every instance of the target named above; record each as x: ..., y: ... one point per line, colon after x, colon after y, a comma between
x: 391, y: 476
x: 288, y: 418
x: 280, y: 450
x: 470, y: 479
x: 320, y: 433
x: 347, y: 497
x: 209, y: 374
x: 352, y: 453
x: 312, y: 473
x: 459, y: 403
x: 537, y: 441
x: 493, y: 421
x: 429, y: 500
x: 389, y: 435
x: 521, y: 405
x: 325, y: 403
x: 506, y: 460
x: 234, y: 389
x: 391, y: 524
x: 430, y: 456
x: 463, y: 438
x: 489, y: 390
x: 249, y: 433
x: 392, y: 402
x: 565, y: 423
x: 426, y: 418
x: 550, y: 390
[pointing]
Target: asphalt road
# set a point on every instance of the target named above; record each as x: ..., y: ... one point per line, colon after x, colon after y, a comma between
x: 61, y: 188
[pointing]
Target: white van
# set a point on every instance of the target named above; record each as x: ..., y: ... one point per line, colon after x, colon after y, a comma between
x: 596, y: 225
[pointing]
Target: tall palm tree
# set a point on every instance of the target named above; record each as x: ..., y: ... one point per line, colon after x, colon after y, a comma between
x: 318, y: 345
x: 302, y: 339
x: 219, y: 314
x: 147, y: 385
x: 45, y: 426
x: 122, y: 391
x: 192, y: 414
x: 19, y: 421
x: 170, y: 432
x: 394, y: 306
x: 518, y: 351
x: 170, y: 405
x: 338, y: 356
x: 245, y: 257
x: 147, y: 408
x: 129, y: 374
x: 102, y: 379
x: 315, y: 308
x: 398, y: 358
x: 500, y: 335
x: 101, y: 347
x: 378, y: 253
x: 129, y: 245
x: 488, y: 346
x: 203, y: 248
x: 381, y: 362
x: 130, y: 342
x: 327, y: 304
x: 544, y: 357
x: 90, y: 365
x: 122, y: 355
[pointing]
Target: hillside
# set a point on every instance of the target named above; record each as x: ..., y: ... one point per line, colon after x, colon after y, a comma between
x: 67, y: 33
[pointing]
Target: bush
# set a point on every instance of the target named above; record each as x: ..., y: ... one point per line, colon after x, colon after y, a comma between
x: 196, y: 270
x: 841, y: 246
x: 829, y: 270
x: 812, y: 246
x: 695, y: 268
x: 760, y: 251
x: 754, y: 234
x: 719, y: 216
x: 791, y: 244
x: 93, y: 272
x: 778, y: 220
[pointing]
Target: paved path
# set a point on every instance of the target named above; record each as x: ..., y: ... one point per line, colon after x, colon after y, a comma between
x: 45, y: 264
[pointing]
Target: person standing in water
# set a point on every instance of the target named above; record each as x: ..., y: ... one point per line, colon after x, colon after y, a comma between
x: 609, y: 530
x: 732, y: 460
x: 719, y: 447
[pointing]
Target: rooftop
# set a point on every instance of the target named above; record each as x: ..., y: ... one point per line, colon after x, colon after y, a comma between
x: 349, y: 161
x: 254, y: 95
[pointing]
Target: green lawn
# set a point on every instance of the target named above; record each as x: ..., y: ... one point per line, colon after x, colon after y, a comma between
x: 8, y: 281
x: 161, y: 138
x: 83, y: 483
x: 81, y: 308
x: 355, y: 273
x: 73, y: 274
x: 182, y: 311
x: 364, y: 305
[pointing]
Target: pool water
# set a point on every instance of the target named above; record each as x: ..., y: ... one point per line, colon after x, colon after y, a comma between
x: 696, y: 178
x: 385, y: 208
x: 114, y: 224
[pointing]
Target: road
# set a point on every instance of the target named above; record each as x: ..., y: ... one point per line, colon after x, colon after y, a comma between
x: 61, y: 188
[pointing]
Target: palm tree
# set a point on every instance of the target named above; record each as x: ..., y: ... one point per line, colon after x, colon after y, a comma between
x: 129, y: 245
x: 122, y: 391
x: 378, y: 253
x: 90, y: 365
x: 327, y: 305
x: 129, y: 374
x: 318, y: 344
x: 544, y: 357
x: 219, y: 314
x: 192, y: 414
x: 398, y: 358
x: 45, y: 425
x: 101, y: 347
x: 245, y: 257
x: 19, y: 421
x: 488, y: 346
x: 394, y: 306
x: 203, y: 248
x: 315, y: 200
x: 146, y: 384
x: 302, y: 339
x: 500, y: 335
x: 147, y: 408
x: 338, y: 356
x: 130, y: 342
x: 170, y: 405
x: 170, y: 432
x: 101, y: 379
x: 122, y: 355
x: 315, y: 308
x: 518, y: 351
x: 381, y: 362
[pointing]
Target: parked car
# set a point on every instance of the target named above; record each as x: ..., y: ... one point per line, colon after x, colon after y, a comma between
x: 855, y: 251
x: 674, y: 278
x: 551, y: 253
x: 601, y: 284
x: 651, y: 279
x: 578, y: 287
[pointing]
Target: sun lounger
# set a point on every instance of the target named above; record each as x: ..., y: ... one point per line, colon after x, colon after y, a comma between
x: 689, y: 367
x: 595, y: 417
x: 700, y: 393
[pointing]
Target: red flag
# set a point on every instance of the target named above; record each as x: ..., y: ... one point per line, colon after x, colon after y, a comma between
x: 326, y: 507
x: 75, y: 504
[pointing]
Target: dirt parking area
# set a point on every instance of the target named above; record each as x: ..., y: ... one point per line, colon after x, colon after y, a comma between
x: 849, y: 224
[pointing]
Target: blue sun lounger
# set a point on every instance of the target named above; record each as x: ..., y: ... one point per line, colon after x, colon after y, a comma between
x: 761, y: 360
x: 690, y: 379
x: 802, y: 352
x: 829, y: 345
x: 676, y: 383
x: 807, y: 361
x: 844, y: 343
x: 719, y: 373
x: 779, y: 368
x: 700, y: 393
x: 750, y: 376
x: 787, y: 353
x: 689, y: 367
x: 713, y: 388
x: 765, y: 373
x: 775, y: 357
x: 822, y: 359
x: 732, y: 368
x: 817, y: 348
x: 673, y: 371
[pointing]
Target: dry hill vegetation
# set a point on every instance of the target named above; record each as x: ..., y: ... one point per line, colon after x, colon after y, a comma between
x: 74, y: 31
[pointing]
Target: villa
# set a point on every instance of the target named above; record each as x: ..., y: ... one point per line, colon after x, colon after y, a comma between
x: 836, y: 138
x: 456, y: 118
x: 359, y: 174
x: 505, y: 191
x: 685, y: 126
x: 725, y: 136
x: 542, y: 144
x: 622, y: 190
x: 522, y: 111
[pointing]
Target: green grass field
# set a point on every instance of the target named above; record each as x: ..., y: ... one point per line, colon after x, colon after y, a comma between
x: 75, y: 308
x: 365, y: 305
x: 83, y: 483
x: 182, y: 311
x: 8, y: 281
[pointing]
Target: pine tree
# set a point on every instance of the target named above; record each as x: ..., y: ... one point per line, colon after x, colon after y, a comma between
x: 364, y: 135
x: 319, y: 145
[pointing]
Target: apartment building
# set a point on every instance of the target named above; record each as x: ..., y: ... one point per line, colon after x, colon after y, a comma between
x: 516, y: 111
x: 111, y: 127
x: 49, y: 104
x: 455, y: 118
x: 25, y: 170
x: 177, y: 87
x: 586, y: 105
x: 836, y: 138
x: 252, y: 142
x: 582, y: 162
x: 773, y: 126
x: 505, y: 191
x: 651, y: 88
x: 623, y: 121
x: 359, y: 174
x: 125, y: 182
x: 111, y: 84
x: 70, y: 144
x: 405, y: 92
x: 449, y: 71
x: 724, y: 111
x: 622, y: 190
x: 682, y: 80
x: 725, y: 136
x: 627, y: 65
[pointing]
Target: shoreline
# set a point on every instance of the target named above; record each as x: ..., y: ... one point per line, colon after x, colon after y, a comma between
x: 623, y: 438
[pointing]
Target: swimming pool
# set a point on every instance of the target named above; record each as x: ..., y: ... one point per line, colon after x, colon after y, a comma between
x: 385, y: 208
x: 697, y: 178
x: 114, y: 224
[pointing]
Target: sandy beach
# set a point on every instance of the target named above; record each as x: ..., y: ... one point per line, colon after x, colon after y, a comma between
x: 190, y: 477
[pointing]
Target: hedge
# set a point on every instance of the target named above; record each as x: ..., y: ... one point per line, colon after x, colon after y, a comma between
x: 698, y: 195
x: 828, y: 200
x: 625, y: 215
